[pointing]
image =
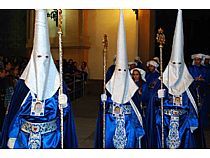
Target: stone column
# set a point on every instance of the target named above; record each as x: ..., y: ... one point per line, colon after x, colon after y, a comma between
x: 146, y: 34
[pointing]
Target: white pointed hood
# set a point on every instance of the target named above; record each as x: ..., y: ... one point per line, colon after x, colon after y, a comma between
x: 41, y: 75
x: 121, y: 86
x: 176, y: 76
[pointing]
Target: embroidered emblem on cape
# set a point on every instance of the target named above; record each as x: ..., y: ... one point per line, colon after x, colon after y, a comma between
x: 37, y: 108
x: 34, y: 140
x: 177, y: 100
x: 117, y: 110
x: 120, y: 138
x: 173, y: 141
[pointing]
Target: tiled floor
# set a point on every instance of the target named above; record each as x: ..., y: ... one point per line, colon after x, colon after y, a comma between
x: 85, y: 128
x: 85, y: 111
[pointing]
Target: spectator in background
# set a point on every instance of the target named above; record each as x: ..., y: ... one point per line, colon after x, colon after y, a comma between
x: 2, y: 92
x: 132, y: 65
x: 23, y: 64
x: 152, y: 76
x: 70, y: 66
x: 84, y: 70
x: 206, y: 61
x: 139, y: 62
x: 9, y: 86
x: 15, y: 61
x: 6, y: 59
x: 199, y: 86
x: 1, y: 62
x: 75, y: 67
x: 138, y: 76
x: 157, y: 61
x: 2, y: 73
x: 16, y: 74
x: 70, y: 61
x: 8, y: 67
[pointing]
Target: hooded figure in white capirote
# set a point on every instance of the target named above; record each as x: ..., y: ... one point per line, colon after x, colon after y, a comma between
x: 121, y: 85
x: 124, y: 127
x: 176, y: 76
x: 33, y: 116
x: 41, y: 75
x: 180, y: 110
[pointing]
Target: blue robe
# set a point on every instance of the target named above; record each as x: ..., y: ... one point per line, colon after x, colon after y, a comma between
x: 151, y: 77
x: 140, y: 99
x: 187, y: 119
x: 199, y: 90
x: 140, y: 65
x: 17, y: 115
x: 133, y: 129
x: 141, y: 105
x: 151, y: 80
x: 208, y: 94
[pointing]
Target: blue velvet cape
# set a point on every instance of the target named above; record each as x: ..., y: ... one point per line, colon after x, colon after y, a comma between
x: 16, y: 113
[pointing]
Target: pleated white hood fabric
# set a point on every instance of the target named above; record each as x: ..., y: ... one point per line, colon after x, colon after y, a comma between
x: 121, y: 85
x: 176, y: 76
x: 41, y: 75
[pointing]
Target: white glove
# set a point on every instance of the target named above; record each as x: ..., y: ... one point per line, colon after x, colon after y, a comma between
x: 192, y: 129
x: 161, y: 93
x: 62, y: 99
x: 103, y: 97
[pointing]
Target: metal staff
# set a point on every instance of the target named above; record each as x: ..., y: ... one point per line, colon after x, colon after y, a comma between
x: 60, y: 69
x: 161, y: 40
x: 105, y: 44
x: 198, y: 96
